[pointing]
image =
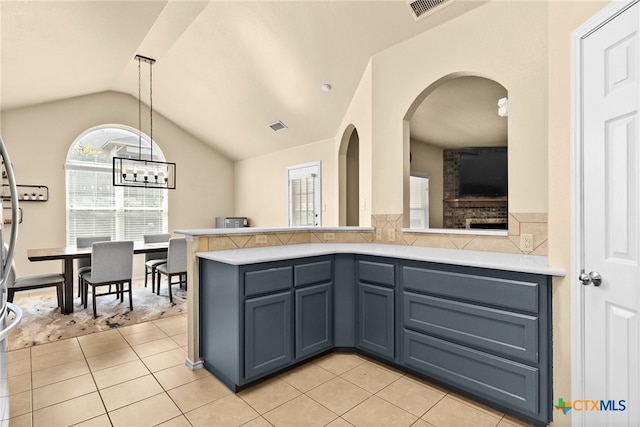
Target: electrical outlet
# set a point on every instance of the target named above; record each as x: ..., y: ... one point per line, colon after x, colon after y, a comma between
x: 391, y: 234
x: 378, y: 233
x: 261, y: 239
x: 329, y: 236
x: 526, y: 242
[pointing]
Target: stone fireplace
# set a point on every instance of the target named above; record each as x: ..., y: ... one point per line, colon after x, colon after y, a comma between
x: 469, y: 212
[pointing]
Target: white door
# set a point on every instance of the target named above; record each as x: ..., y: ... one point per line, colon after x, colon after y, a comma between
x: 610, y: 228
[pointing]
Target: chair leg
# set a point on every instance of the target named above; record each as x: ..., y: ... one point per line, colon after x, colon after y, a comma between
x: 146, y: 276
x: 170, y: 294
x: 130, y: 296
x: 159, y: 281
x: 93, y: 296
x: 10, y: 294
x: 153, y: 279
x: 85, y: 292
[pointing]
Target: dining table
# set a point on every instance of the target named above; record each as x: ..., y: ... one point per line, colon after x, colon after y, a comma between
x: 69, y: 253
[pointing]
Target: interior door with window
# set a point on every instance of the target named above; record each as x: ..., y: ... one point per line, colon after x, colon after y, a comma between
x: 304, y: 195
x: 609, y: 278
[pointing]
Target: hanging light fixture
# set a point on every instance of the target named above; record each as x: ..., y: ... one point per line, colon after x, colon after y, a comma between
x: 147, y: 173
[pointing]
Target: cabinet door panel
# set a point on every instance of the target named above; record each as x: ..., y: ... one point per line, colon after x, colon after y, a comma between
x: 268, y: 342
x: 376, y: 320
x: 314, y: 320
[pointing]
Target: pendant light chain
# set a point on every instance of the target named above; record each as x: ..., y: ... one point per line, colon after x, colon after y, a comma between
x: 151, y: 106
x: 139, y: 109
x: 147, y: 172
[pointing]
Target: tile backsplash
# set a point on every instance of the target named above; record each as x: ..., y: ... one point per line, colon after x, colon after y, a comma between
x: 390, y: 227
x: 519, y: 223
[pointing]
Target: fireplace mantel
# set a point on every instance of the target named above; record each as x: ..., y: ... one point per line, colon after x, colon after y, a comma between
x: 477, y: 202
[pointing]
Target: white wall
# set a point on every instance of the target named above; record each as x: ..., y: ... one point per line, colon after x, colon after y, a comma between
x: 261, y: 184
x: 38, y: 139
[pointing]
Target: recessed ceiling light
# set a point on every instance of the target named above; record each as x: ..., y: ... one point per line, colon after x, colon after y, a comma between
x: 326, y: 87
x: 276, y: 126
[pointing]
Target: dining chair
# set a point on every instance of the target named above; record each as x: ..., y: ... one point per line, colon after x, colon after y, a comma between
x: 25, y: 283
x: 152, y: 259
x: 176, y: 264
x: 111, y: 264
x: 83, y: 265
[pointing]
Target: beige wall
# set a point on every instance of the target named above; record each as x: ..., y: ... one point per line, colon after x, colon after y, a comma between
x: 504, y: 41
x: 261, y: 184
x: 358, y: 115
x: 38, y: 139
x: 564, y: 17
x: 427, y: 160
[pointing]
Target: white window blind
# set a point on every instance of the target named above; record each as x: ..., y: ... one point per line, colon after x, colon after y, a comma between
x: 304, y: 195
x: 94, y: 206
x: 419, y: 201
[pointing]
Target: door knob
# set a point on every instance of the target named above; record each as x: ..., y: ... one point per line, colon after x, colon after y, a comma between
x: 591, y: 278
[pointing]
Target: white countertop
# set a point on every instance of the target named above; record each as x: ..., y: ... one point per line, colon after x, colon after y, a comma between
x: 255, y: 230
x: 494, y: 260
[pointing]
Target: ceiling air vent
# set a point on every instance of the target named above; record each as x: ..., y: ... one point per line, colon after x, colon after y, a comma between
x: 276, y: 126
x: 421, y: 8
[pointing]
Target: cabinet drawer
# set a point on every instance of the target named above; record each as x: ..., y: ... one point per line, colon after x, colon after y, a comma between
x: 269, y: 280
x: 497, y: 331
x: 518, y: 292
x: 376, y: 273
x: 312, y: 273
x: 513, y: 384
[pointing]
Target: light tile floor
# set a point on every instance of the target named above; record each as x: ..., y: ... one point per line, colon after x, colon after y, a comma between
x: 135, y: 376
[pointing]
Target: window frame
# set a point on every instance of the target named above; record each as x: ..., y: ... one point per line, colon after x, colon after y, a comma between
x: 121, y: 211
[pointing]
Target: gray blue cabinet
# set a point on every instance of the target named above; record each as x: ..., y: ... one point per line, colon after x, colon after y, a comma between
x: 486, y: 332
x: 481, y: 331
x: 313, y: 282
x: 376, y: 302
x: 314, y: 320
x: 260, y: 318
x: 268, y: 340
x: 375, y: 320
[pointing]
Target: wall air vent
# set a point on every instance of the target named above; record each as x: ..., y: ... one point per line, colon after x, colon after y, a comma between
x: 421, y: 8
x: 276, y: 126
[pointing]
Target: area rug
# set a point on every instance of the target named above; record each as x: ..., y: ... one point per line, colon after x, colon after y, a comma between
x: 42, y: 321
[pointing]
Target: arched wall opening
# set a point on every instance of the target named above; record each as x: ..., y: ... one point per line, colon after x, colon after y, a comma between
x: 349, y: 177
x: 455, y: 141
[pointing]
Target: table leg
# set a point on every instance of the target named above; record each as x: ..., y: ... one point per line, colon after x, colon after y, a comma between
x: 67, y: 271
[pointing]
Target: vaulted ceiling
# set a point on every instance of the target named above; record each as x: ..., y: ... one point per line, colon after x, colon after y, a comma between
x: 224, y: 70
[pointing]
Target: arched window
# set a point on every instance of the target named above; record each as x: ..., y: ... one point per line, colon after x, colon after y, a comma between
x: 97, y: 208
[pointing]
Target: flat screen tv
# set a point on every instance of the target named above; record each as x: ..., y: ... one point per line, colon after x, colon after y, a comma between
x: 483, y: 173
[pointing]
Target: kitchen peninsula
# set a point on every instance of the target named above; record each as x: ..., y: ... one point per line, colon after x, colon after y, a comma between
x: 479, y: 322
